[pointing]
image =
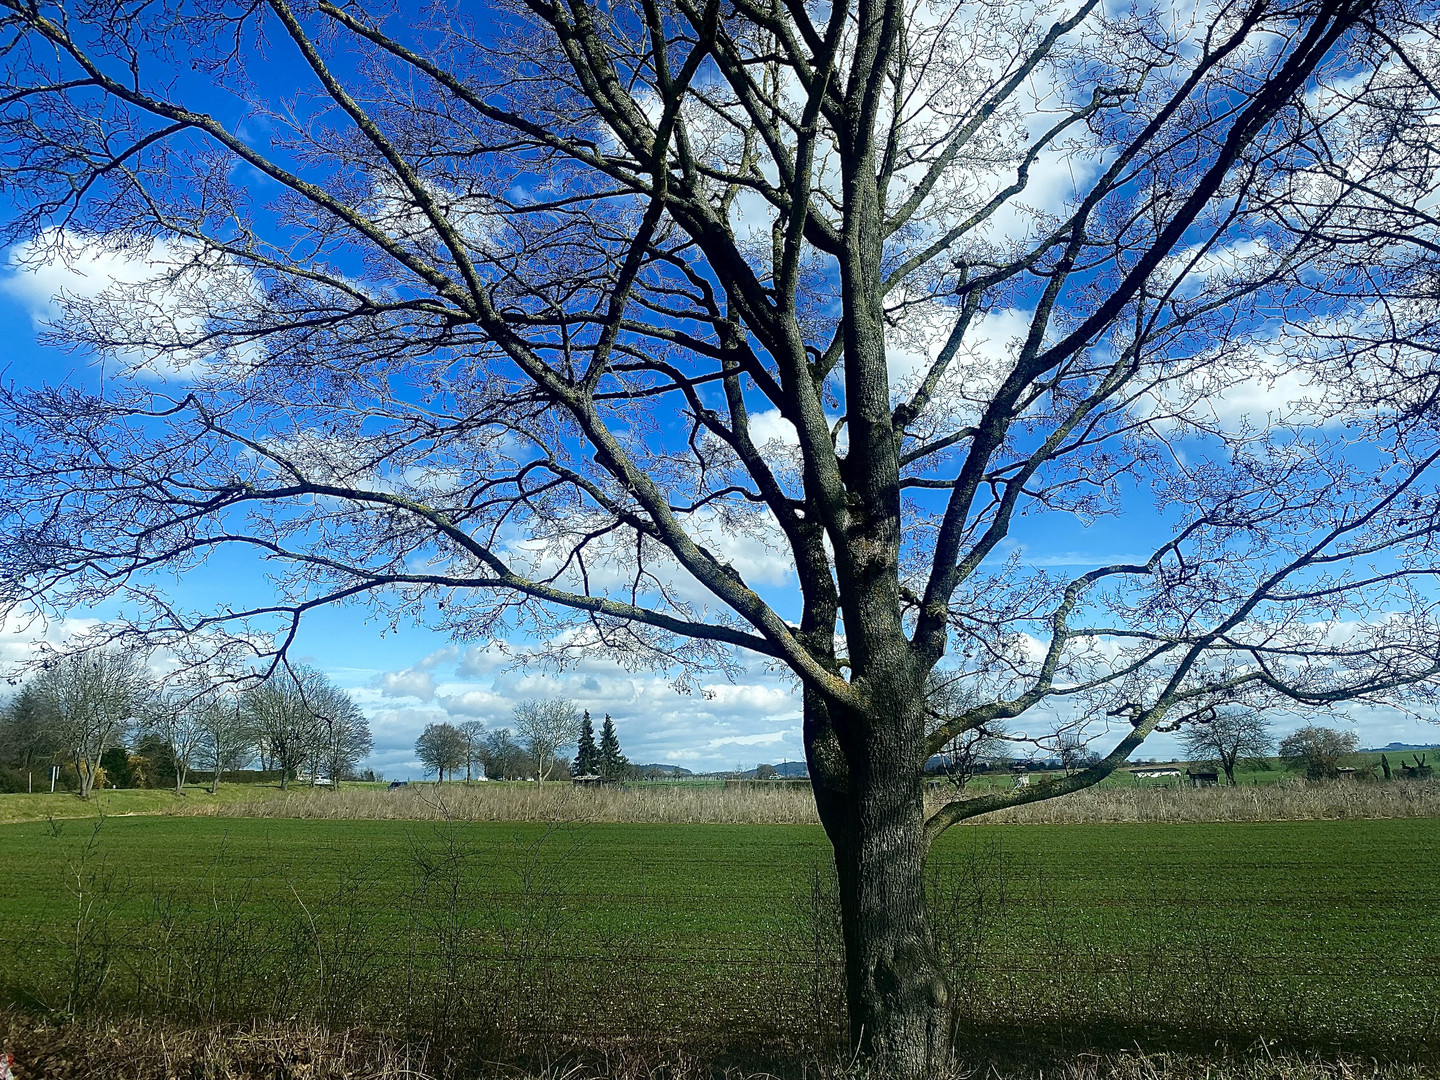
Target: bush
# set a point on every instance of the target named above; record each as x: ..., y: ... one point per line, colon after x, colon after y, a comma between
x: 1316, y: 751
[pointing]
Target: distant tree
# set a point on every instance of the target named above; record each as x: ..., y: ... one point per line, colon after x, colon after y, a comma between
x: 1229, y: 737
x: 545, y: 727
x: 175, y: 716
x: 229, y: 738
x: 1316, y: 751
x: 613, y: 764
x: 279, y: 711
x: 1074, y: 752
x: 441, y: 748
x: 587, y: 754
x: 474, y: 732
x: 343, y: 738
x: 94, y: 698
x: 765, y: 772
x: 972, y: 750
x: 143, y: 773
x: 504, y: 758
x: 29, y: 732
x: 153, y: 763
x: 115, y: 763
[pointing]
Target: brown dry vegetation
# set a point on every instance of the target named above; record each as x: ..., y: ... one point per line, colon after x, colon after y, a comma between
x: 136, y: 1050
x: 1285, y: 800
x: 1289, y: 800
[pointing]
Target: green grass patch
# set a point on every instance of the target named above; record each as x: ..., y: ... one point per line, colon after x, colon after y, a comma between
x: 43, y: 805
x: 1317, y: 932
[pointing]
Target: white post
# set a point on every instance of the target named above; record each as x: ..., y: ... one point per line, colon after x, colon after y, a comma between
x: 54, y: 775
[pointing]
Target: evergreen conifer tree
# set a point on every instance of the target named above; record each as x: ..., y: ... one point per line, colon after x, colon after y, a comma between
x: 612, y: 762
x: 587, y: 755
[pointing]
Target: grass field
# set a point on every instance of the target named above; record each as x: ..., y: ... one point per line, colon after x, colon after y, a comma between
x: 1308, y: 933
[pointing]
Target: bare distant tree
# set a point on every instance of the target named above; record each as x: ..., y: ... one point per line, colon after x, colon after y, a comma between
x: 539, y: 319
x: 94, y: 697
x: 504, y: 758
x: 1075, y: 752
x: 947, y: 696
x: 1229, y: 736
x: 342, y: 735
x: 474, y: 732
x: 547, y: 726
x: 441, y: 747
x: 176, y: 716
x: 280, y: 713
x: 229, y: 738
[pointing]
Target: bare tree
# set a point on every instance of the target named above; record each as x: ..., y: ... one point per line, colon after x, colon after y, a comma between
x: 1229, y: 737
x: 504, y: 758
x: 546, y: 727
x: 441, y: 747
x: 94, y: 697
x: 176, y: 716
x: 343, y: 738
x: 972, y: 749
x: 229, y: 738
x: 474, y: 732
x: 647, y: 286
x: 280, y: 712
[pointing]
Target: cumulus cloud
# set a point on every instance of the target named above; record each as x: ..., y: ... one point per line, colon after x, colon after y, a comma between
x: 148, y: 299
x: 412, y: 683
x: 721, y: 725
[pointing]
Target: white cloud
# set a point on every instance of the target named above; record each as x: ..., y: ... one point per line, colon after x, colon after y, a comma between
x: 149, y: 299
x: 755, y: 719
x: 412, y: 683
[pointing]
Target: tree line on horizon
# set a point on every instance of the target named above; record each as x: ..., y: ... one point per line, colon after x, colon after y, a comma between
x: 544, y: 731
x: 104, y: 718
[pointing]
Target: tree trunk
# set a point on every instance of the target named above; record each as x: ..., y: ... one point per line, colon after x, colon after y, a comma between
x: 180, y: 771
x: 84, y: 779
x: 897, y: 996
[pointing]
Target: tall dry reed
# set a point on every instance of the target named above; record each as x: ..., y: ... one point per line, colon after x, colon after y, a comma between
x: 1283, y: 800
x: 785, y: 804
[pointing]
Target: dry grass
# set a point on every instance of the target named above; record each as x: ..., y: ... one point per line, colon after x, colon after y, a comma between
x: 1285, y: 800
x: 137, y: 1050
x: 671, y: 803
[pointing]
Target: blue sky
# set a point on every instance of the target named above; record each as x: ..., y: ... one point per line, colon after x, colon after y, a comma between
x: 407, y: 677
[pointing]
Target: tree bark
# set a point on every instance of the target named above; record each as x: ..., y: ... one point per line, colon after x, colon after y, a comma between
x: 897, y: 996
x: 84, y: 778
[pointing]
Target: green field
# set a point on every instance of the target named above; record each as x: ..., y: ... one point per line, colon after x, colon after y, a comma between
x: 1315, y: 933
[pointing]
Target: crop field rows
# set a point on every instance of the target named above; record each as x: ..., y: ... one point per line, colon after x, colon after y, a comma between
x: 1314, y: 933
